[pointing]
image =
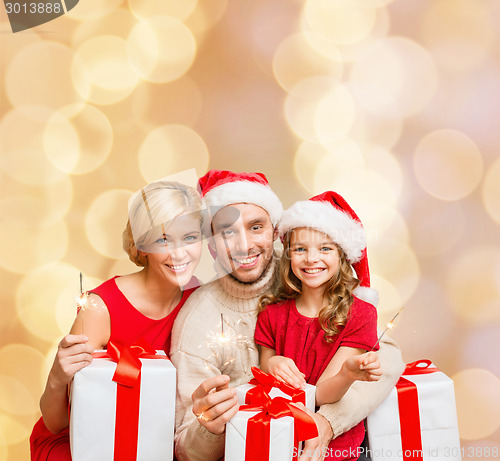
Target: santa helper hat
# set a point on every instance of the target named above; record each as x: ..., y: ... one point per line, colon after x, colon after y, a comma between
x: 331, y: 214
x: 220, y: 188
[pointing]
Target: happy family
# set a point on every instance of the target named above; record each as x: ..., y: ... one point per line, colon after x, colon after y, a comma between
x: 307, y: 312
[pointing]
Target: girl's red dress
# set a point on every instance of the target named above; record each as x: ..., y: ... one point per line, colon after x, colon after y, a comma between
x: 281, y: 327
x: 127, y: 326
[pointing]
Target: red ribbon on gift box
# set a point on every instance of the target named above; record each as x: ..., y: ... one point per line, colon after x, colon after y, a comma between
x: 128, y: 378
x: 409, y: 416
x: 264, y: 382
x: 259, y: 426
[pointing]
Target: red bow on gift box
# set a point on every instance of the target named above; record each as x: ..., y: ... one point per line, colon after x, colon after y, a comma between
x: 409, y: 414
x: 259, y: 426
x: 264, y: 382
x: 128, y: 378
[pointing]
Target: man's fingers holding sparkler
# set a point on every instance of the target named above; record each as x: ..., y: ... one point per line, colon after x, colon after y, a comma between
x: 73, y: 353
x: 214, y: 403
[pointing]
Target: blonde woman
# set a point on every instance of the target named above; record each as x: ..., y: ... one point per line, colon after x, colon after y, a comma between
x: 163, y: 236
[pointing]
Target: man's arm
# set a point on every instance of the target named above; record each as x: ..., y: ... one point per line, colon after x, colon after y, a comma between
x: 195, y: 364
x: 193, y: 442
x: 363, y: 397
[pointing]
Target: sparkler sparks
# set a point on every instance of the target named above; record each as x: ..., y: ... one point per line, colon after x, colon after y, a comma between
x: 224, y: 344
x: 390, y: 326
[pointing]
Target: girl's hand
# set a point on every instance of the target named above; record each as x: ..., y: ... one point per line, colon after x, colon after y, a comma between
x: 364, y: 367
x: 285, y: 370
x: 73, y: 353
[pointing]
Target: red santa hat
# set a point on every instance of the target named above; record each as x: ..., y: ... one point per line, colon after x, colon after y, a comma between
x: 220, y: 188
x: 331, y: 214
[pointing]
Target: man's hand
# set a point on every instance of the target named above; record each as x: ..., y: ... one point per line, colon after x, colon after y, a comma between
x: 214, y: 403
x: 314, y: 449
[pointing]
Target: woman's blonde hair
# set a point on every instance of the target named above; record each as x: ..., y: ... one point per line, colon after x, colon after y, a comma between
x: 338, y: 291
x: 157, y: 203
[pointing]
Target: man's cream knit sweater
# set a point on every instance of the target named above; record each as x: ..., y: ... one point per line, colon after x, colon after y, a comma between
x: 197, y: 358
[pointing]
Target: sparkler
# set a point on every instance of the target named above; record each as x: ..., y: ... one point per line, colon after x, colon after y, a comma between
x: 390, y: 326
x: 81, y: 301
x: 224, y: 343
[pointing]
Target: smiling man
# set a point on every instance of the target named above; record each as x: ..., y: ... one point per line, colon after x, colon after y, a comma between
x: 245, y: 213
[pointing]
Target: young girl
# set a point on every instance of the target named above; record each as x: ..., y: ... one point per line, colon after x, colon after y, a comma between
x: 163, y: 236
x: 318, y: 328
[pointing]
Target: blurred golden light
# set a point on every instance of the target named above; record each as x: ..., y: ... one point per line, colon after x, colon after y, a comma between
x: 362, y: 188
x: 122, y: 266
x: 102, y: 62
x: 383, y: 162
x: 4, y: 450
x: 378, y: 120
x: 144, y: 9
x: 342, y: 156
x: 21, y: 143
x: 15, y: 397
x: 206, y: 15
x: 50, y: 63
x: 105, y: 221
x: 477, y: 394
x: 334, y: 115
x: 33, y: 211
x: 178, y: 102
x: 372, y: 3
x: 389, y: 299
x: 303, y: 101
x: 342, y: 22
x: 295, y: 60
x: 491, y: 191
x: 472, y: 287
x: 12, y: 44
x: 383, y: 220
x: 117, y: 23
x: 22, y: 364
x: 13, y: 431
x: 80, y: 143
x: 170, y: 149
x: 306, y: 158
x: 448, y: 164
x: 91, y: 10
x: 459, y: 33
x: 352, y: 52
x: 404, y: 70
x: 66, y: 306
x: 396, y: 262
x: 161, y: 49
x: 38, y: 295
x: 436, y: 226
x: 25, y: 246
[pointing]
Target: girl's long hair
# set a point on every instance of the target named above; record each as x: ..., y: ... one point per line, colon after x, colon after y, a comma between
x: 338, y: 291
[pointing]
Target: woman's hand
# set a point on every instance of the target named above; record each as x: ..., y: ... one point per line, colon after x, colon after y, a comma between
x: 73, y: 353
x: 285, y: 370
x: 364, y: 367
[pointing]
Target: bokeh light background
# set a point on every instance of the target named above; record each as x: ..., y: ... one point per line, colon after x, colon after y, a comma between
x: 394, y: 104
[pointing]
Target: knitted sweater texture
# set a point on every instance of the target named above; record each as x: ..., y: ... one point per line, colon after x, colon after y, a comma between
x: 197, y: 357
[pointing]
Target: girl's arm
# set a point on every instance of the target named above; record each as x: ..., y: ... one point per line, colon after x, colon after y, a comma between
x: 281, y: 367
x: 91, y: 330
x: 347, y: 365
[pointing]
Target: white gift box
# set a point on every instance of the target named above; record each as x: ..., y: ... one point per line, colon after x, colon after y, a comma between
x: 93, y: 411
x: 438, y: 422
x: 310, y: 392
x: 281, y: 445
